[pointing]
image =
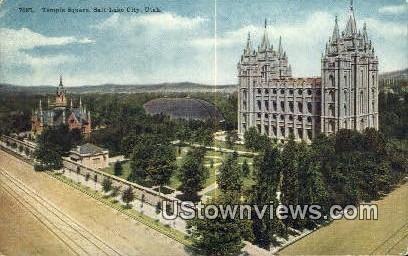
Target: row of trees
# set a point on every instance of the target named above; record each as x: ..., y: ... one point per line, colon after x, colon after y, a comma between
x: 343, y: 169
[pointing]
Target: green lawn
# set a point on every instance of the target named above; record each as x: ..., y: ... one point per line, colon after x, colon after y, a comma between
x: 211, y: 158
x: 223, y: 144
x: 126, y: 169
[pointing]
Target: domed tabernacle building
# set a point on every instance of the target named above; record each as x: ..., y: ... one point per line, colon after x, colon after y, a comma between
x: 183, y: 108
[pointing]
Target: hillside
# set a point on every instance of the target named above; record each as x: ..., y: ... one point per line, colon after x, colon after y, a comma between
x: 116, y: 88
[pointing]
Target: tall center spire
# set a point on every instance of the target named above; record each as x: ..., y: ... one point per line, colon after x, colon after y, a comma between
x: 351, y: 27
x: 60, y: 83
x: 265, y: 39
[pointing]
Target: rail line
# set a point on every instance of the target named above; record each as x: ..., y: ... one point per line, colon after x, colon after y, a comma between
x: 78, y: 239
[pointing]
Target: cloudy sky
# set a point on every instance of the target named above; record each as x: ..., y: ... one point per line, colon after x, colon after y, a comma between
x: 196, y: 41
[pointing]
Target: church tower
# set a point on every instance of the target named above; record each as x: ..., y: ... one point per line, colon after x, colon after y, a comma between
x: 349, y: 69
x: 60, y: 97
x: 257, y: 68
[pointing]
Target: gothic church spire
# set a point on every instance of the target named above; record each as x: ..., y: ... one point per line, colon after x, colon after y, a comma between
x: 351, y: 27
x: 265, y: 39
x: 336, y: 34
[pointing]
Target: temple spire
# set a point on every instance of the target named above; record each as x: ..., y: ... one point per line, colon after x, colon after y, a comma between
x: 280, y: 50
x: 80, y: 103
x: 365, y: 35
x: 265, y: 39
x: 248, y: 47
x: 351, y: 27
x: 336, y: 34
x: 71, y: 105
x: 60, y: 83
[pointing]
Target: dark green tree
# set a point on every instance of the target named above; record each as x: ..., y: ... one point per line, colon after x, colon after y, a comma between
x: 128, y: 196
x: 217, y: 236
x: 255, y: 141
x: 264, y: 192
x: 230, y: 178
x: 245, y: 168
x: 117, y: 168
x: 193, y: 174
x: 106, y: 185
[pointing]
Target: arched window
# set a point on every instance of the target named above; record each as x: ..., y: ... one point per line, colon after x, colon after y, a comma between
x: 259, y: 104
x: 310, y: 107
x: 331, y: 80
x: 266, y: 129
x: 361, y: 102
x: 332, y: 126
x: 333, y: 96
x: 309, y: 134
x: 300, y: 133
x: 264, y: 72
x: 300, y: 107
x: 266, y: 102
x: 331, y: 109
x: 282, y: 103
x: 291, y: 106
x: 282, y: 130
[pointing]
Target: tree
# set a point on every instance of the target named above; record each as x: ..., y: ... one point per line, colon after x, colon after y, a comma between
x: 95, y: 178
x: 255, y: 141
x: 106, y: 185
x: 290, y: 182
x: 117, y: 169
x: 245, y: 168
x: 217, y: 236
x: 312, y: 188
x: 268, y: 167
x: 153, y: 161
x: 127, y: 196
x: 115, y: 191
x: 231, y: 138
x: 230, y: 178
x: 53, y: 143
x: 193, y: 174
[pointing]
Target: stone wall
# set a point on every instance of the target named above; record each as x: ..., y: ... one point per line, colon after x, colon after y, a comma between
x: 141, y: 193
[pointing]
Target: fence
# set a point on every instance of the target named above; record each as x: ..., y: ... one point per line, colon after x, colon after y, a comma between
x: 141, y: 193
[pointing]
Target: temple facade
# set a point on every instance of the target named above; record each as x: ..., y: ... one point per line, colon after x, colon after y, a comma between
x: 279, y: 105
x: 58, y: 112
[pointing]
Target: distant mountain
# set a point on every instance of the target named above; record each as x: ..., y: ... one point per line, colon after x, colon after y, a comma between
x: 116, y: 88
x: 395, y: 75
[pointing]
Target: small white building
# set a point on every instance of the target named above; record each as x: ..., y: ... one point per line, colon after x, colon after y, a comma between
x: 90, y: 156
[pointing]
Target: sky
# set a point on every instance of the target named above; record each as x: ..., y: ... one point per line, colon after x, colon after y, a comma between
x: 196, y: 41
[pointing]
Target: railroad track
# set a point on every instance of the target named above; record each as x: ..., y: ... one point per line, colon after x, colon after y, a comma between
x: 77, y: 238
